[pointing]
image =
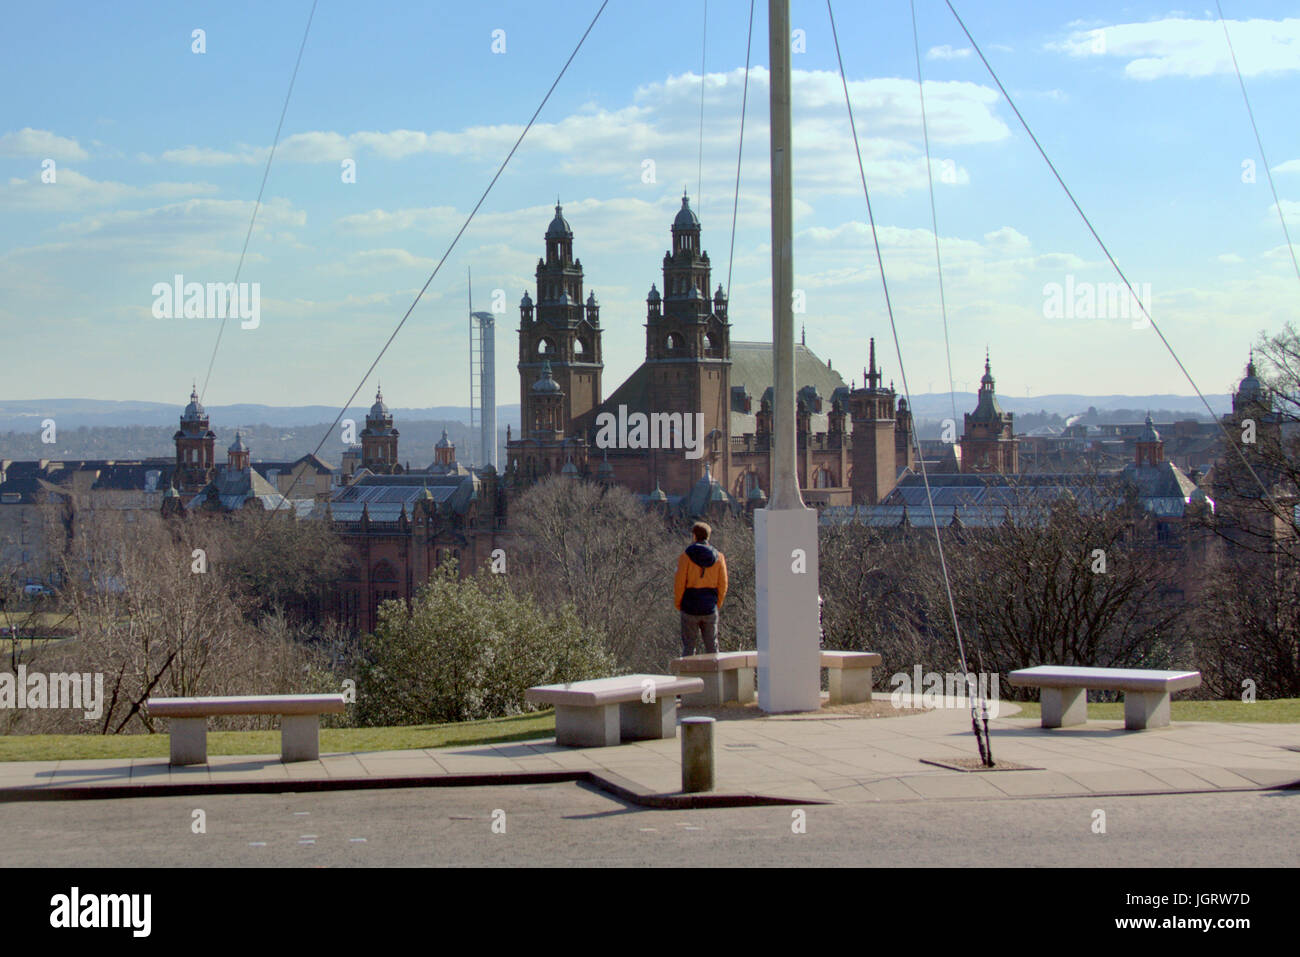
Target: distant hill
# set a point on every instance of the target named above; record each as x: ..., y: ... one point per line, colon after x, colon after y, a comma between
x: 26, y: 414
x: 93, y: 428
x: 939, y: 404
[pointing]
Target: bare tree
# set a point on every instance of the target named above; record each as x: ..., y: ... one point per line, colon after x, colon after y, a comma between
x: 597, y: 548
x: 1070, y: 583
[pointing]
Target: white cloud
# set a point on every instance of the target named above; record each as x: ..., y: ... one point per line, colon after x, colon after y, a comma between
x: 659, y: 125
x: 204, y: 156
x: 1230, y: 258
x: 73, y: 192
x: 1290, y: 166
x: 947, y: 52
x: 1184, y: 47
x: 42, y: 143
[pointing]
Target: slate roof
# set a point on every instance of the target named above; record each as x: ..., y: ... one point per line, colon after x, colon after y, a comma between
x: 317, y: 465
x: 234, y: 488
x: 983, y: 500
x: 383, y: 496
x: 29, y: 478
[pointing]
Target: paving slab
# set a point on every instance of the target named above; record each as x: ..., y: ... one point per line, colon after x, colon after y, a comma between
x: 843, y: 759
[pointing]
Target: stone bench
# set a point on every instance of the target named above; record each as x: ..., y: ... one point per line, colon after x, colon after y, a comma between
x: 299, y: 721
x: 604, y: 711
x: 727, y: 676
x: 850, y: 675
x: 1064, y: 696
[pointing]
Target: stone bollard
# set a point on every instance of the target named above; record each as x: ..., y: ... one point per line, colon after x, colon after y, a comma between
x: 697, y: 754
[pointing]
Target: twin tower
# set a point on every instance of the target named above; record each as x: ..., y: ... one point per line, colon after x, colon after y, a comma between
x: 692, y: 383
x: 687, y: 357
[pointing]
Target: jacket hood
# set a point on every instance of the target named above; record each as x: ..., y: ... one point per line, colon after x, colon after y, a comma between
x: 702, y: 554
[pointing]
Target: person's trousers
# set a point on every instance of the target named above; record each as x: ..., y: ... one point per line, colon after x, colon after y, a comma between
x: 705, y: 627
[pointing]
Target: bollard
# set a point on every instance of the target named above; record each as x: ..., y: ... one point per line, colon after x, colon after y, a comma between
x: 697, y: 754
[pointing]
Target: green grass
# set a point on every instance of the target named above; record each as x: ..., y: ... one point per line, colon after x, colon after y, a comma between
x: 25, y: 621
x: 1277, y: 711
x: 70, y: 747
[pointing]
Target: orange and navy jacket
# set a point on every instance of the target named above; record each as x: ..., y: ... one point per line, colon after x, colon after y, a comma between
x: 701, y: 583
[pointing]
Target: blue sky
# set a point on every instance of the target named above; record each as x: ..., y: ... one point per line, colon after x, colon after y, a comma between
x: 159, y: 153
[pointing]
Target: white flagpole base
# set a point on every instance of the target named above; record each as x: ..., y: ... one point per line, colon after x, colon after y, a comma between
x: 789, y: 653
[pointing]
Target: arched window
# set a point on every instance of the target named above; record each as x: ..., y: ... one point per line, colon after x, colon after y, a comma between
x: 674, y: 342
x: 822, y: 478
x: 713, y: 345
x: 383, y: 572
x: 545, y: 347
x: 580, y: 347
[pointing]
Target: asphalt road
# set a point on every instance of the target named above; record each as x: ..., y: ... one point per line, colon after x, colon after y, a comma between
x: 572, y: 825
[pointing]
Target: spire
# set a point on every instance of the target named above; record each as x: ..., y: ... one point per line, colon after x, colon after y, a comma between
x: 803, y: 334
x: 871, y: 376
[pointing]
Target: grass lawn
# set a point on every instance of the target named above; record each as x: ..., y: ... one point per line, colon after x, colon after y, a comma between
x: 67, y: 747
x: 1277, y: 711
x: 26, y: 621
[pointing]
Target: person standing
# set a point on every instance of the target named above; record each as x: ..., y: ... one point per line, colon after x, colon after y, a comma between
x: 700, y: 587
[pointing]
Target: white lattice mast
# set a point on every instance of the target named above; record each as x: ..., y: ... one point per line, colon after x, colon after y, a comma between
x: 486, y: 325
x: 475, y: 373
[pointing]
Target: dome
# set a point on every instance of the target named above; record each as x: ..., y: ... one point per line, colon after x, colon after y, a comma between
x: 379, y: 408
x: 546, y: 384
x: 526, y: 301
x: 238, y: 445
x: 591, y: 299
x: 444, y: 442
x: 605, y: 468
x: 658, y: 494
x: 559, y: 228
x: 194, y: 410
x: 1250, y: 389
x: 719, y: 296
x: 756, y: 494
x: 654, y: 294
x: 1149, y: 433
x: 686, y: 218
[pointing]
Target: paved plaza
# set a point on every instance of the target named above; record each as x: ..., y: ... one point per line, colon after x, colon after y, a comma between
x: 830, y: 759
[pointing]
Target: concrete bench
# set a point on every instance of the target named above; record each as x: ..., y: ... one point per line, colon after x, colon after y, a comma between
x: 604, y: 711
x: 850, y: 675
x: 727, y: 676
x: 1064, y: 695
x: 299, y: 721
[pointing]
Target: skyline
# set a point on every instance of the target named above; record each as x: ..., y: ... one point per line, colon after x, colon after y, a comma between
x: 149, y: 186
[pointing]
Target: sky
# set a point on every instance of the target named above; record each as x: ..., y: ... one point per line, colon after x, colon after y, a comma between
x: 157, y: 152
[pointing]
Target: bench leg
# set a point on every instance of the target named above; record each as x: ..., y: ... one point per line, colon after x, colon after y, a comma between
x: 587, y: 727
x: 299, y: 737
x: 1146, y: 709
x: 658, y: 719
x: 850, y: 685
x: 189, y: 740
x: 1063, y: 707
x: 744, y: 685
x: 714, y: 693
